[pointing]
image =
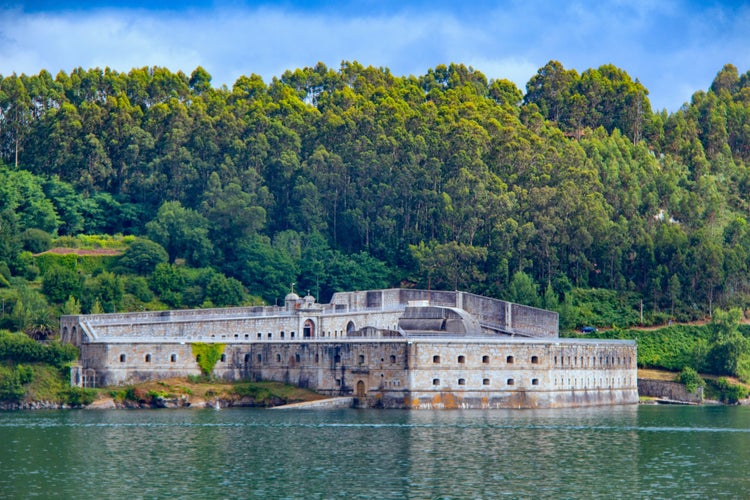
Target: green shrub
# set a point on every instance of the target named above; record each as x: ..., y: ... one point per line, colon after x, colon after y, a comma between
x: 257, y: 392
x: 35, y: 240
x: 730, y: 393
x: 138, y: 287
x: 671, y: 348
x: 21, y: 349
x: 690, y: 379
x: 207, y: 355
x: 602, y: 307
x: 142, y: 257
x: 25, y: 374
x: 11, y: 388
x: 79, y: 396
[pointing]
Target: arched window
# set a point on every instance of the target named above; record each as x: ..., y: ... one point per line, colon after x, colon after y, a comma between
x: 462, y: 381
x: 173, y: 358
x: 534, y: 360
x: 436, y: 359
x: 308, y: 330
x: 485, y: 381
x: 350, y: 327
x: 296, y: 358
x: 436, y: 381
x: 462, y: 359
x: 509, y: 360
x: 510, y: 381
x: 282, y: 334
x: 223, y: 358
x: 278, y: 358
x: 393, y: 358
x: 148, y: 358
x: 361, y: 359
x: 485, y: 359
x: 534, y: 381
x: 247, y: 358
x: 123, y: 357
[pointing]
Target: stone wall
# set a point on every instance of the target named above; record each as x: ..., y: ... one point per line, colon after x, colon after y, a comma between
x: 671, y: 391
x: 398, y: 373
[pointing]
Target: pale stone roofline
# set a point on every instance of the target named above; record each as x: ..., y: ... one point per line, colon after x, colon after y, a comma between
x: 492, y: 315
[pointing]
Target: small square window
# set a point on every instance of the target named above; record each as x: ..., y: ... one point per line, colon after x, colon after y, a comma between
x: 485, y: 359
x: 462, y: 381
x: 510, y: 381
x: 534, y: 381
x: 485, y: 381
x: 462, y: 359
x: 436, y: 381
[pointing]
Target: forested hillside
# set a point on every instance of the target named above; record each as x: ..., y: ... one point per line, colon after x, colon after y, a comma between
x: 355, y: 178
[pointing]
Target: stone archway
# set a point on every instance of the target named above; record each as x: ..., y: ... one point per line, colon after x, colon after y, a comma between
x: 350, y: 328
x: 308, y: 330
x: 361, y: 392
x: 89, y: 378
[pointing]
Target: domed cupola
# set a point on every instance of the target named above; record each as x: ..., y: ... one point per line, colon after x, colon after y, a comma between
x: 308, y: 301
x: 292, y: 300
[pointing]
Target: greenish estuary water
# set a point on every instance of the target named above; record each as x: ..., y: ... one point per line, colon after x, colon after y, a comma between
x: 618, y: 452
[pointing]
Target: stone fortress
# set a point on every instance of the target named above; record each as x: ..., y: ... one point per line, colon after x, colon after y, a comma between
x: 396, y: 348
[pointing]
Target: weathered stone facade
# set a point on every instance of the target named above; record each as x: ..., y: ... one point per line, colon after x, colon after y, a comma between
x: 388, y: 348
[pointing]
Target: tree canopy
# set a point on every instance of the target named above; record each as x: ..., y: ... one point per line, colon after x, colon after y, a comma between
x: 356, y: 178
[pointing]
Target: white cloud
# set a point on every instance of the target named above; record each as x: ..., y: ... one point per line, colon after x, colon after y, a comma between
x: 668, y: 45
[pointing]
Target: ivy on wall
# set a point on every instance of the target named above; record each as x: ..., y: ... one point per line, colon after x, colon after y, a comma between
x: 207, y: 355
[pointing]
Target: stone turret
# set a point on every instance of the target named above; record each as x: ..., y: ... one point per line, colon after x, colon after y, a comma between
x: 292, y: 300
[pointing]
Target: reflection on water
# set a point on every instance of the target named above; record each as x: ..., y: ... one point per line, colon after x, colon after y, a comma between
x: 626, y: 452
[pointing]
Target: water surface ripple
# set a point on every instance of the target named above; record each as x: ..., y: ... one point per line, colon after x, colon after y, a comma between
x: 620, y: 452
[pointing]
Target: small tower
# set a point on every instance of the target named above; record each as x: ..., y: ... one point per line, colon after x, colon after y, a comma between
x: 308, y: 301
x: 291, y: 300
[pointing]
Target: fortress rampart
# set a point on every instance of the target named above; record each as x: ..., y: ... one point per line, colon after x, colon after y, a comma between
x: 387, y: 348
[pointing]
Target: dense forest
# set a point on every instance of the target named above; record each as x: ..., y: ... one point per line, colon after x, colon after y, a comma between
x: 355, y: 178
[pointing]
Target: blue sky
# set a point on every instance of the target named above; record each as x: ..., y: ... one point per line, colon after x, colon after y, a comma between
x: 674, y: 47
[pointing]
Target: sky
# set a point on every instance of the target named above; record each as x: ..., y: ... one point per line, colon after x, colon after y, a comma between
x: 673, y: 47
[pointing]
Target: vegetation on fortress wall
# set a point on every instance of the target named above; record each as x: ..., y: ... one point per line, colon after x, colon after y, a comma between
x: 150, y: 190
x: 207, y: 355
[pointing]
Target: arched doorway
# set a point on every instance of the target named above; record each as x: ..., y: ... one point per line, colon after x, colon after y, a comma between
x: 361, y: 393
x: 89, y: 378
x: 308, y: 330
x: 350, y: 328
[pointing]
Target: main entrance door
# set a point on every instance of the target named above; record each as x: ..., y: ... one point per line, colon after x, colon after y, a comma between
x: 308, y: 330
